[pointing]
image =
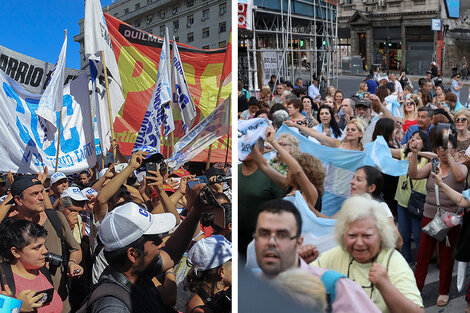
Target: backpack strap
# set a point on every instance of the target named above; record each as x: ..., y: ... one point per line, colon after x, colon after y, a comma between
x: 329, y: 279
x: 57, y: 224
x: 6, y: 277
x: 46, y: 273
x: 110, y: 290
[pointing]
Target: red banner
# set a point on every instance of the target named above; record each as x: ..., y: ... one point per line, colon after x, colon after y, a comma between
x: 137, y: 54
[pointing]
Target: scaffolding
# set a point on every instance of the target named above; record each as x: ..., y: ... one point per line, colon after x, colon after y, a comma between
x: 301, y: 34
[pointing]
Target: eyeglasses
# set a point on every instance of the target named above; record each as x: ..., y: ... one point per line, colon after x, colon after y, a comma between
x: 279, y: 237
x: 371, y: 286
x: 461, y: 120
x: 409, y: 103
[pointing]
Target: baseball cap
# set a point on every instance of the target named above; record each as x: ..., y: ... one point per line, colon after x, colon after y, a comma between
x: 22, y: 183
x: 210, y: 253
x: 181, y: 172
x: 363, y: 102
x: 128, y: 222
x: 57, y: 176
x: 74, y: 193
x: 88, y: 191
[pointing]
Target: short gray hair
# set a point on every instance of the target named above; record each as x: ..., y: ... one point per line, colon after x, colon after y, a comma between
x: 66, y: 202
x: 292, y: 139
x: 360, y: 207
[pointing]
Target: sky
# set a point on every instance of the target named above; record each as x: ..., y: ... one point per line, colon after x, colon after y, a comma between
x: 36, y: 27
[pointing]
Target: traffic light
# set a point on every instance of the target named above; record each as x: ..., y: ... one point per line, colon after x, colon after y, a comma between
x: 325, y: 43
x: 301, y: 43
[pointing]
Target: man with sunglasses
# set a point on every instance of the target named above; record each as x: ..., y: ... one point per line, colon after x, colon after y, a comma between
x: 278, y: 241
x: 134, y: 249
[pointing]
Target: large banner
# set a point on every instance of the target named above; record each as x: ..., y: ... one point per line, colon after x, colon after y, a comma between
x: 21, y: 149
x: 137, y: 53
x: 32, y: 74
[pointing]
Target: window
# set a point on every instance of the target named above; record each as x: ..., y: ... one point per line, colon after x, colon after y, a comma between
x: 205, y: 47
x: 176, y: 25
x: 149, y: 19
x: 137, y: 23
x: 190, y: 3
x: 190, y: 20
x: 162, y: 30
x: 126, y: 11
x: 222, y: 8
x: 222, y: 44
x: 162, y: 14
x: 137, y: 6
x: 205, y: 14
x: 190, y: 37
x: 205, y: 32
x: 174, y: 11
x: 222, y: 27
x: 116, y: 14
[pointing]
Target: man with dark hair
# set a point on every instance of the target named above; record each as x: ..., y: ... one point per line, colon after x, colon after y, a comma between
x: 278, y: 241
x: 299, y: 83
x: 84, y: 179
x: 424, y: 123
x: 133, y: 247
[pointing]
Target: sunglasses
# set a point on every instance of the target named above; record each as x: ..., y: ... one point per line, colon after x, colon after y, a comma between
x: 461, y: 119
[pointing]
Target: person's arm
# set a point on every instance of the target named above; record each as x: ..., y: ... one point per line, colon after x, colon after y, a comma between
x: 413, y: 170
x: 168, y: 289
x: 309, y: 192
x: 323, y: 139
x: 427, y: 154
x: 47, y: 201
x: 396, y: 153
x: 272, y: 174
x: 380, y: 107
x: 119, y: 156
x: 458, y: 170
x: 453, y: 195
x: 179, y: 241
x: 101, y: 207
x: 5, y: 207
x: 396, y: 302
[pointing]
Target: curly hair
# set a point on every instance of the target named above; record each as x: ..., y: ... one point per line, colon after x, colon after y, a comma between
x: 313, y: 169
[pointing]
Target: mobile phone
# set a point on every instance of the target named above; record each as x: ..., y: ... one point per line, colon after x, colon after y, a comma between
x: 150, y: 166
x: 47, y: 297
x: 197, y: 180
x: 434, y: 164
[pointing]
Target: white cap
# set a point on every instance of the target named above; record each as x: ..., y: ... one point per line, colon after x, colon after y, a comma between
x: 210, y: 253
x: 88, y: 191
x: 74, y: 193
x: 102, y: 172
x: 57, y: 176
x: 128, y: 222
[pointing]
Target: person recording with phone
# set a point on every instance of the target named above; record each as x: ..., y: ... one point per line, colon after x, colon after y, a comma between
x: 26, y: 278
x: 454, y: 175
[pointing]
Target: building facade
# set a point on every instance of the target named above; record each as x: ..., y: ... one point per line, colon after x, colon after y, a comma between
x: 202, y: 24
x: 398, y: 33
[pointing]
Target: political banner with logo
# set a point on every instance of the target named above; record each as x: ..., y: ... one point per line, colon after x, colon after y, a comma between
x: 137, y: 53
x: 32, y: 74
x: 202, y: 135
x: 249, y: 132
x: 21, y: 149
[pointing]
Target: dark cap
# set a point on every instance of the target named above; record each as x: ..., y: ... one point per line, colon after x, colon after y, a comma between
x: 363, y: 102
x: 21, y: 184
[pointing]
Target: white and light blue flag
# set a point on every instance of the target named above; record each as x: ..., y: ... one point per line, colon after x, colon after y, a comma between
x: 341, y: 164
x: 181, y: 95
x: 52, y: 99
x: 98, y: 43
x: 249, y: 132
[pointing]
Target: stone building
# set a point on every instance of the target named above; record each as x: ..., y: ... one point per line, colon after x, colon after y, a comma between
x: 371, y: 27
x: 199, y: 23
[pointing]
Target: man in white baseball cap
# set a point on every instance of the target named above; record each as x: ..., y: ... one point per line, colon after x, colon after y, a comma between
x: 73, y: 203
x: 59, y: 183
x: 134, y: 249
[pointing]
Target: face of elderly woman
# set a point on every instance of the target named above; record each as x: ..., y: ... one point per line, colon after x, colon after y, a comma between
x: 362, y: 240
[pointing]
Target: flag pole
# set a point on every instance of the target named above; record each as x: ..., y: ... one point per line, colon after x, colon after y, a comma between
x: 58, y: 143
x: 208, y: 164
x: 228, y: 131
x: 109, y: 102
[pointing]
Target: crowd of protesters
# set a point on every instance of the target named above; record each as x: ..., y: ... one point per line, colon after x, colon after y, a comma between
x: 131, y: 237
x: 375, y: 227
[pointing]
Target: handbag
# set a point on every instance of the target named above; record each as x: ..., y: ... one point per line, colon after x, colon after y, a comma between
x: 416, y: 202
x: 437, y: 229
